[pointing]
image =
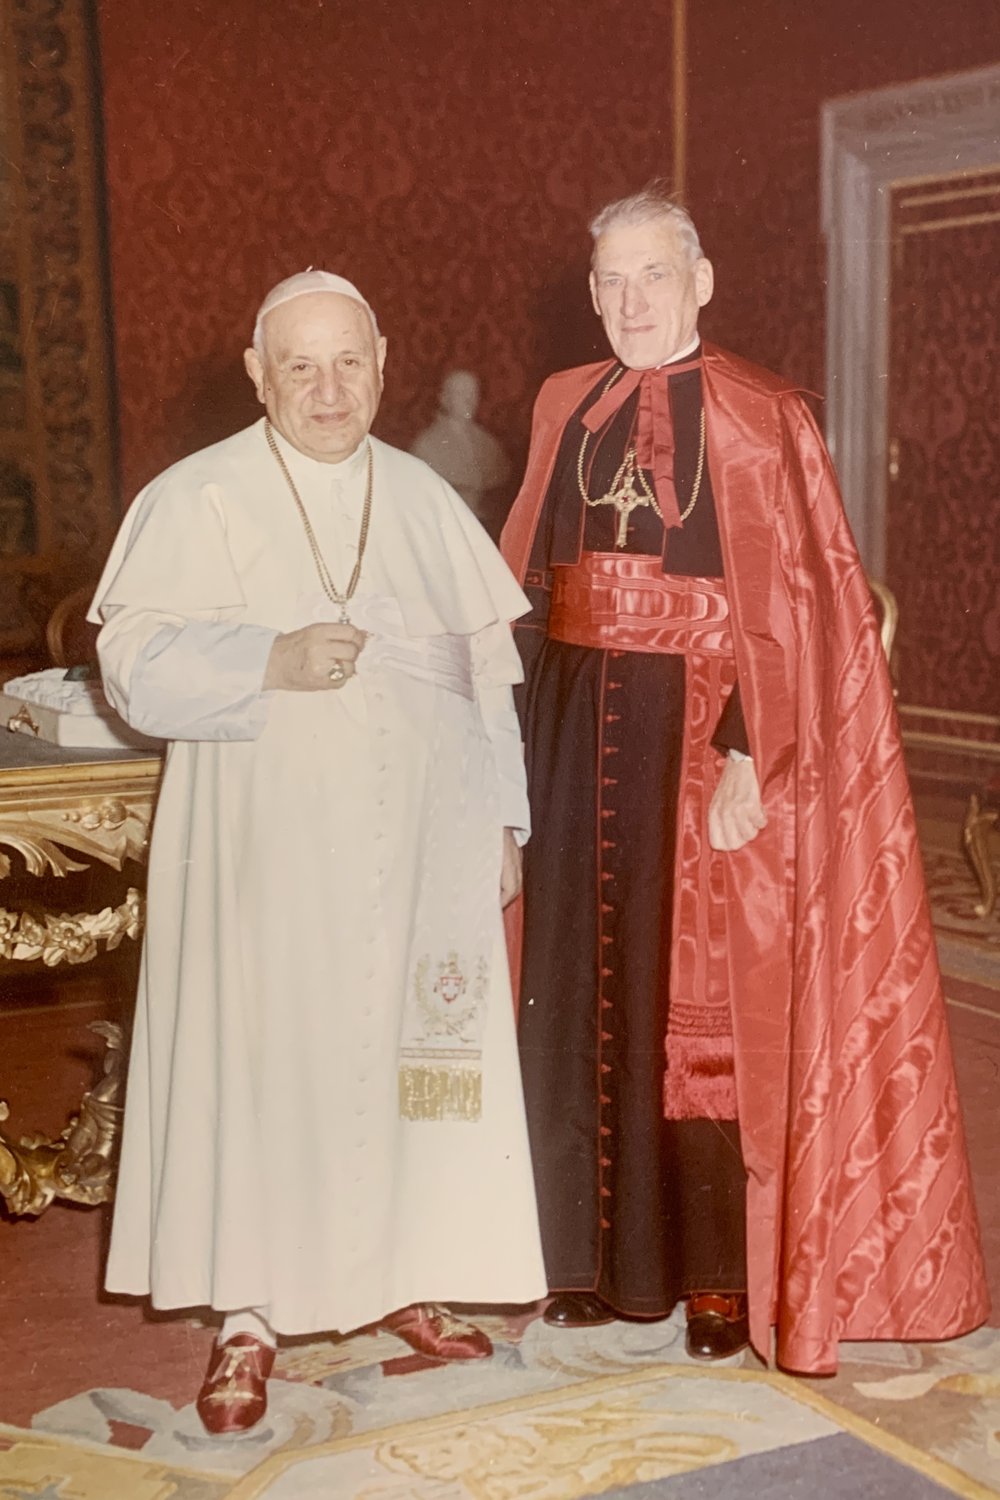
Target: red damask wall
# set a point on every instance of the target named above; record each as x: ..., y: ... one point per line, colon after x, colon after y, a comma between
x: 759, y: 71
x: 446, y: 154
x: 943, y: 549
x: 442, y: 153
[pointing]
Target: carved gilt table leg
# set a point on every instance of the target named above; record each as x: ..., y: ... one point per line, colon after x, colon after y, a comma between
x: 53, y: 807
x: 79, y: 1164
x: 25, y: 937
x: 976, y: 838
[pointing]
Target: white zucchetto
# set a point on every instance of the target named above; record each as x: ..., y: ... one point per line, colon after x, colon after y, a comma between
x: 300, y: 285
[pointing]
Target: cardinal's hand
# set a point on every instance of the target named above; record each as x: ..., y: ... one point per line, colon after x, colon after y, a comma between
x: 736, y: 814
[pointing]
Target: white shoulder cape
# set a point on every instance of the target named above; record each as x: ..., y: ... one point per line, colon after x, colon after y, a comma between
x: 445, y: 573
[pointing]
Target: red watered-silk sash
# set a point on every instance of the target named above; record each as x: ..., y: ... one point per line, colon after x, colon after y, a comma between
x: 610, y: 600
x: 617, y: 602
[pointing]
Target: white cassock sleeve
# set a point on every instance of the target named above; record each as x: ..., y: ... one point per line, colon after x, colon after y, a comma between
x: 176, y: 661
x: 496, y: 666
x: 185, y: 679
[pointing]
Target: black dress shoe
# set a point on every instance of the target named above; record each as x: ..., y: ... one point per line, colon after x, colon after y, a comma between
x: 717, y: 1324
x: 577, y: 1310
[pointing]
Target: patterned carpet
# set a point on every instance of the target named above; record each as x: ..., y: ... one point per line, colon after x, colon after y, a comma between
x: 95, y: 1396
x: 555, y: 1415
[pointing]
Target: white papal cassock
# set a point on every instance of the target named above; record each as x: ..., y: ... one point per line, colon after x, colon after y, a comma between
x: 324, y: 1115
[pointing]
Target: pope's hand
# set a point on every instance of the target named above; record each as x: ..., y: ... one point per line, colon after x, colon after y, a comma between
x: 510, y: 869
x: 736, y: 814
x: 313, y: 658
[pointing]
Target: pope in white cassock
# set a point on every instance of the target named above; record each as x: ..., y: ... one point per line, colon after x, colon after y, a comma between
x: 324, y: 1126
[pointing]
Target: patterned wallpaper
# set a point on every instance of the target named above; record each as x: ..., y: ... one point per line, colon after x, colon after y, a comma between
x: 445, y: 155
x: 944, y: 504
x: 758, y: 75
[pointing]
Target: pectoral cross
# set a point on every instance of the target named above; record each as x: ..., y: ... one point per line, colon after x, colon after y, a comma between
x: 625, y: 497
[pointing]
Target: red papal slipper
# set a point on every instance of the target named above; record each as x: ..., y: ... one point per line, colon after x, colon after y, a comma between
x: 233, y: 1397
x: 432, y: 1330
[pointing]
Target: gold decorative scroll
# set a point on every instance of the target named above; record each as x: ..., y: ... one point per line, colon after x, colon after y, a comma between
x: 79, y: 1164
x: 25, y: 937
x: 102, y: 812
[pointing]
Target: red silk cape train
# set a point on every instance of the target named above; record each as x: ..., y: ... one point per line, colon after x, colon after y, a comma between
x: 860, y: 1218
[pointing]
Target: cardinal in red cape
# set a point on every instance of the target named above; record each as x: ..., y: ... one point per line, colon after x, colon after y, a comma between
x: 733, y: 1040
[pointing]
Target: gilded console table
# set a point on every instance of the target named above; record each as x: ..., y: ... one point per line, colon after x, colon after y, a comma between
x: 55, y: 804
x: 62, y: 809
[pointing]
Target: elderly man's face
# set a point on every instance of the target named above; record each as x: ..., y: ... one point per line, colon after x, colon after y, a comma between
x: 320, y: 373
x: 648, y: 292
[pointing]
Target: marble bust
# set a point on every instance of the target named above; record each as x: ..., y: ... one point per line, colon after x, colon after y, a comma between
x: 457, y: 448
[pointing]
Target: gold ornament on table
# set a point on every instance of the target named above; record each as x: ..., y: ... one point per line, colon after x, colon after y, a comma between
x: 630, y: 490
x: 23, y: 723
x: 79, y: 1164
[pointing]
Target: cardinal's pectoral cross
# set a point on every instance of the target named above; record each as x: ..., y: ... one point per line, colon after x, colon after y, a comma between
x: 625, y: 497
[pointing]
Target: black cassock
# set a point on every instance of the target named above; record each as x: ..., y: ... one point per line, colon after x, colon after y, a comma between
x: 636, y: 1208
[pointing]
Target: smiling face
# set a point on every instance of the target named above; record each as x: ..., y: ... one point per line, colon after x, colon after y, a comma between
x: 648, y: 291
x: 319, y: 373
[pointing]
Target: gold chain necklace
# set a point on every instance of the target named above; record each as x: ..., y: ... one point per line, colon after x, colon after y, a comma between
x: 330, y: 588
x: 623, y: 494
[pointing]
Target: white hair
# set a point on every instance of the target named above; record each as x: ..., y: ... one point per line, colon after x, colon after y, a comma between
x: 302, y: 284
x: 652, y: 205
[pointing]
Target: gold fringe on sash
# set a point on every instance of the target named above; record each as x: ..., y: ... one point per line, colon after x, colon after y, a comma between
x: 440, y: 1093
x: 440, y: 1056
